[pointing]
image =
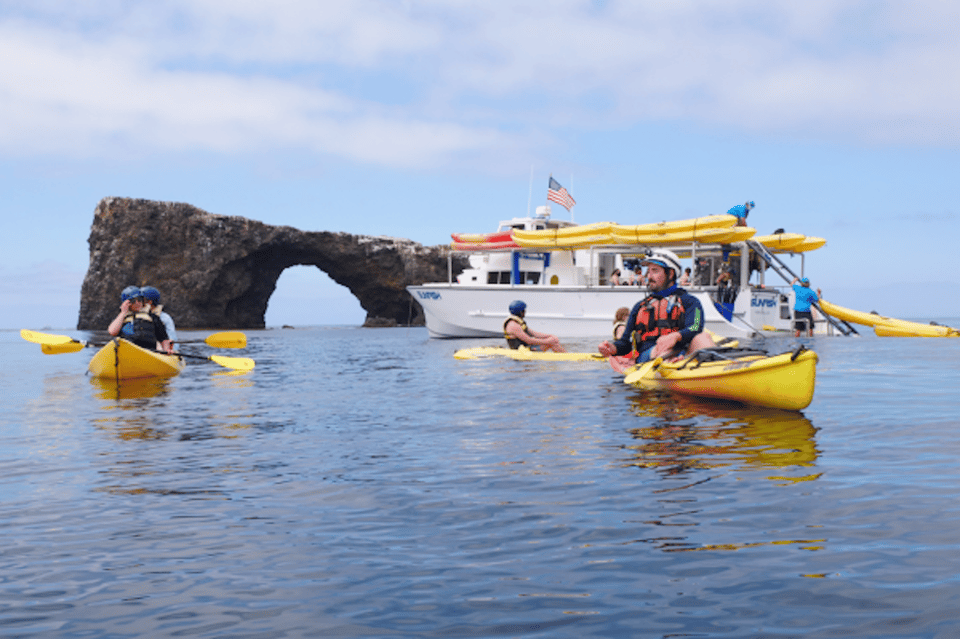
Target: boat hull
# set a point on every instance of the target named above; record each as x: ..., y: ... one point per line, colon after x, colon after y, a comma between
x: 120, y: 359
x: 785, y: 381
x: 457, y: 310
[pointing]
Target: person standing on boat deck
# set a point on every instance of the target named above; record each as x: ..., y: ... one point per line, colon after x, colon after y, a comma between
x: 136, y: 324
x: 152, y: 296
x: 802, y: 315
x: 516, y: 332
x: 667, y: 323
x: 615, y: 277
x: 741, y: 211
x: 685, y: 278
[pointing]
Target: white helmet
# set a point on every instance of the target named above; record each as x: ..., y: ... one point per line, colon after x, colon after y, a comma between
x: 664, y: 258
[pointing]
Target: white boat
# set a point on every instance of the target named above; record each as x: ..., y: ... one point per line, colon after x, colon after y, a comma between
x: 562, y: 270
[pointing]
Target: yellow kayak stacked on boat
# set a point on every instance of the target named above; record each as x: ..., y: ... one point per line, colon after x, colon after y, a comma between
x: 785, y: 381
x: 120, y: 359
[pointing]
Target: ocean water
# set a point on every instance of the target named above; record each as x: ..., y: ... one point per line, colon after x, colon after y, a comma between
x: 364, y: 483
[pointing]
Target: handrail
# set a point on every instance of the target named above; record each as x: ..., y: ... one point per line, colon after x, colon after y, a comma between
x: 770, y: 258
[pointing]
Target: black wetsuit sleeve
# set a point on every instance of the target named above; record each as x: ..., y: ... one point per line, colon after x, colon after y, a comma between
x: 692, y: 318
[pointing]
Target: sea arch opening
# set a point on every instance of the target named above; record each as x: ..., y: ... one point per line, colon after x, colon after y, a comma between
x: 307, y: 296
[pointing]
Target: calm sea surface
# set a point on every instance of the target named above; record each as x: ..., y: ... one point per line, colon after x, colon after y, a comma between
x: 363, y: 483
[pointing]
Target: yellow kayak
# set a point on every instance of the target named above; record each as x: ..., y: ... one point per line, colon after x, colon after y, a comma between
x: 914, y: 330
x: 525, y: 354
x: 888, y: 326
x: 121, y: 359
x: 784, y: 381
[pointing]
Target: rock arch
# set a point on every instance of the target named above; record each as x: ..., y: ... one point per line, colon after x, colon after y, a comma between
x: 219, y: 271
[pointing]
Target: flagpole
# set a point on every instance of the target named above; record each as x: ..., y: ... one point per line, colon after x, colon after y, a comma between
x: 530, y: 192
x: 571, y: 191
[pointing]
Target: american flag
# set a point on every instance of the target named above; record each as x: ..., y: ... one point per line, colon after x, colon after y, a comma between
x: 558, y: 194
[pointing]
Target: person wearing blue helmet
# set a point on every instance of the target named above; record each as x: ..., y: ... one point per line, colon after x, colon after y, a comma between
x: 137, y: 324
x: 667, y: 323
x: 516, y: 331
x: 804, y: 298
x: 152, y: 296
x: 741, y: 211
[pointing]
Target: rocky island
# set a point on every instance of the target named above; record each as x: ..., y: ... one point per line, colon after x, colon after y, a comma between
x: 218, y: 271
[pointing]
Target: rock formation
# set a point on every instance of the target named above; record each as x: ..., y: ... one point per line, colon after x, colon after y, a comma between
x: 218, y: 271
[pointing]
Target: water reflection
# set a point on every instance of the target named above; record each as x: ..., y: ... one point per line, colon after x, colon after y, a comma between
x: 130, y: 388
x: 689, y: 433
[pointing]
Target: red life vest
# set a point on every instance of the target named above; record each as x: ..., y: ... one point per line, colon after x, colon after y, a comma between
x: 658, y: 316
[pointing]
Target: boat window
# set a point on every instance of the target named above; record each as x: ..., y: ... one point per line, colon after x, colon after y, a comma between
x: 498, y: 277
x: 531, y: 277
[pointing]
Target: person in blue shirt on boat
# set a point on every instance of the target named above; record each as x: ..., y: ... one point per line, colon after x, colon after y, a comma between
x: 516, y: 332
x: 741, y: 211
x: 136, y: 324
x: 804, y: 299
x: 668, y: 323
x: 152, y: 297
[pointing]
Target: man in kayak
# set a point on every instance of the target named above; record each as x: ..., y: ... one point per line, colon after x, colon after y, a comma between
x: 668, y: 323
x: 152, y: 297
x: 136, y: 324
x: 804, y: 299
x: 516, y: 332
x: 741, y: 211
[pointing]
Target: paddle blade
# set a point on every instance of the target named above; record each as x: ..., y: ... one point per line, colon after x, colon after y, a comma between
x: 227, y: 340
x: 44, y: 338
x: 236, y: 363
x: 641, y: 371
x: 58, y: 349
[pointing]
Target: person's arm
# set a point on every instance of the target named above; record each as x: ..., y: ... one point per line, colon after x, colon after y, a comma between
x: 161, y: 333
x: 117, y: 323
x: 692, y: 319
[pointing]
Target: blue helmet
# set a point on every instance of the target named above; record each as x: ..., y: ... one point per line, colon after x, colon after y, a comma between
x: 517, y: 307
x: 751, y: 204
x: 129, y: 293
x: 805, y: 281
x: 151, y: 294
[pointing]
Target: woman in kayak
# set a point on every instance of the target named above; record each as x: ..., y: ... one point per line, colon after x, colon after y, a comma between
x: 136, y: 324
x: 516, y: 332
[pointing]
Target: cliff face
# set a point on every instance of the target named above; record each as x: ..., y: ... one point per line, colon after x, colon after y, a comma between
x: 219, y: 271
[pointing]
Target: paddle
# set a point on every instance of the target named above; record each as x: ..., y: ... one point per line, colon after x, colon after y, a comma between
x: 221, y: 340
x: 58, y: 344
x: 236, y: 363
x: 639, y: 372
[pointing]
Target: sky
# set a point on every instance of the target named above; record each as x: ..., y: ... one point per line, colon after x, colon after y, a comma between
x: 839, y: 118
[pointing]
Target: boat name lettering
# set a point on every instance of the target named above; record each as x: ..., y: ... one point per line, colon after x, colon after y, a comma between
x: 428, y: 295
x: 759, y: 302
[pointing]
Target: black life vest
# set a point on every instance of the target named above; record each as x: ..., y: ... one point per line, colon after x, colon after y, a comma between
x: 617, y: 325
x: 139, y: 328
x: 512, y: 341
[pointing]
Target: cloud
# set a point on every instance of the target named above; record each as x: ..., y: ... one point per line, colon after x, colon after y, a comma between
x: 421, y: 84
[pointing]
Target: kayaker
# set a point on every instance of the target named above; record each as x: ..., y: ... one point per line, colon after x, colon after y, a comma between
x: 623, y: 362
x: 152, y: 297
x: 667, y: 323
x: 804, y: 298
x: 516, y: 332
x: 136, y: 324
x: 741, y: 211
